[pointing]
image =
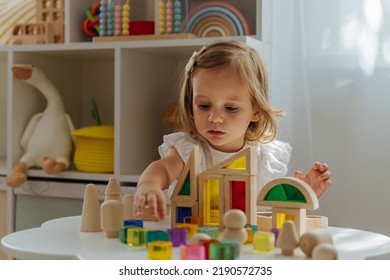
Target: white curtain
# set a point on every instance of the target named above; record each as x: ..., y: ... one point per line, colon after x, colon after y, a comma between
x: 330, y: 72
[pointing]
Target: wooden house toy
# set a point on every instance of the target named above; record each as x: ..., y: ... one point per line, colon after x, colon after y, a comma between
x: 49, y: 26
x: 289, y: 198
x: 210, y: 194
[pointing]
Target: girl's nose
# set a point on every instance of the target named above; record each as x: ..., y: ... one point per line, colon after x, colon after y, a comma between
x: 216, y: 116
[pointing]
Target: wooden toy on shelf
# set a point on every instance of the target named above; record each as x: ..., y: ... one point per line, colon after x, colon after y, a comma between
x: 47, y: 142
x: 49, y: 26
x: 168, y: 26
x: 289, y: 198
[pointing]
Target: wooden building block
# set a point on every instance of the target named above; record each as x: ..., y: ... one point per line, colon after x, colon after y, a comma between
x: 182, y: 210
x: 240, y: 193
x: 211, y: 199
x: 243, y: 163
x: 186, y: 187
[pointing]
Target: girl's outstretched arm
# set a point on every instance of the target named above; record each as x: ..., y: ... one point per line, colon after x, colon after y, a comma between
x: 156, y: 178
x: 318, y: 177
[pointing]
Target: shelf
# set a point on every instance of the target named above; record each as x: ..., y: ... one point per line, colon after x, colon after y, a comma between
x: 63, y: 190
x: 132, y: 81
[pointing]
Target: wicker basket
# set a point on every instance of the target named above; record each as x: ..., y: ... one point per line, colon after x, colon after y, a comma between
x: 94, y: 149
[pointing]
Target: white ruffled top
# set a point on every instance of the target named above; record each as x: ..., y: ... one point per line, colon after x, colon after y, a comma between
x: 272, y: 158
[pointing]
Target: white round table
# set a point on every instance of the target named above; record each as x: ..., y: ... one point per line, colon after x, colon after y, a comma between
x: 61, y: 239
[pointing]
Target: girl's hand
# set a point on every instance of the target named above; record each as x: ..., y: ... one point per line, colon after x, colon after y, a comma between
x: 318, y: 177
x: 153, y: 197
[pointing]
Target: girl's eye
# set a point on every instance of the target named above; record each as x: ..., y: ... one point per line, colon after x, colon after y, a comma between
x: 203, y: 106
x: 231, y: 109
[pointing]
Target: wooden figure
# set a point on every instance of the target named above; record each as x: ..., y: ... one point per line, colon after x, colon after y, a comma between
x: 90, y: 216
x: 128, y: 206
x: 111, y: 218
x: 234, y: 221
x: 288, y: 238
x: 113, y: 191
x: 324, y: 251
x: 47, y: 140
x: 310, y: 239
x: 289, y: 198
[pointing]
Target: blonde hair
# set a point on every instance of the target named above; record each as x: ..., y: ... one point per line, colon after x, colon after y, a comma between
x: 251, y: 71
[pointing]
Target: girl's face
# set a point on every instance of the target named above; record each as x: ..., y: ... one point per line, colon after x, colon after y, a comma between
x: 222, y: 108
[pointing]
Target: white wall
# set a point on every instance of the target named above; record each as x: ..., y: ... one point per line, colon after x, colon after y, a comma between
x: 331, y: 73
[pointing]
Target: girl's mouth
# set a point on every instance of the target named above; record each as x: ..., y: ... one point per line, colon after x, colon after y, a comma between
x: 215, y: 132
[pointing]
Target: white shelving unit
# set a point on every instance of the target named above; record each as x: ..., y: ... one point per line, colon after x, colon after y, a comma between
x: 133, y: 83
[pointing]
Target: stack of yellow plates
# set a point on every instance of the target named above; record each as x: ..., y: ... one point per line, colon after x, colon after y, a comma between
x: 94, y: 149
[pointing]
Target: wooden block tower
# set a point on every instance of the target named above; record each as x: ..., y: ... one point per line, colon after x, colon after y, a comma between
x: 229, y: 185
x: 289, y: 198
x: 210, y: 194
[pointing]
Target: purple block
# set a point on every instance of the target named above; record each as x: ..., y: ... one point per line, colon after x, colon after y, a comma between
x: 178, y: 236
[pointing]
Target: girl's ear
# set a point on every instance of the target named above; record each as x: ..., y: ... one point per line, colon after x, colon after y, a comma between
x: 256, y: 115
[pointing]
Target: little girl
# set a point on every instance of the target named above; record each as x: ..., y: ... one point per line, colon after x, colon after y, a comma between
x: 223, y: 108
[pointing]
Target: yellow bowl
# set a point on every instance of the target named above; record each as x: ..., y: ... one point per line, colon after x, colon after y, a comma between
x: 94, y: 149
